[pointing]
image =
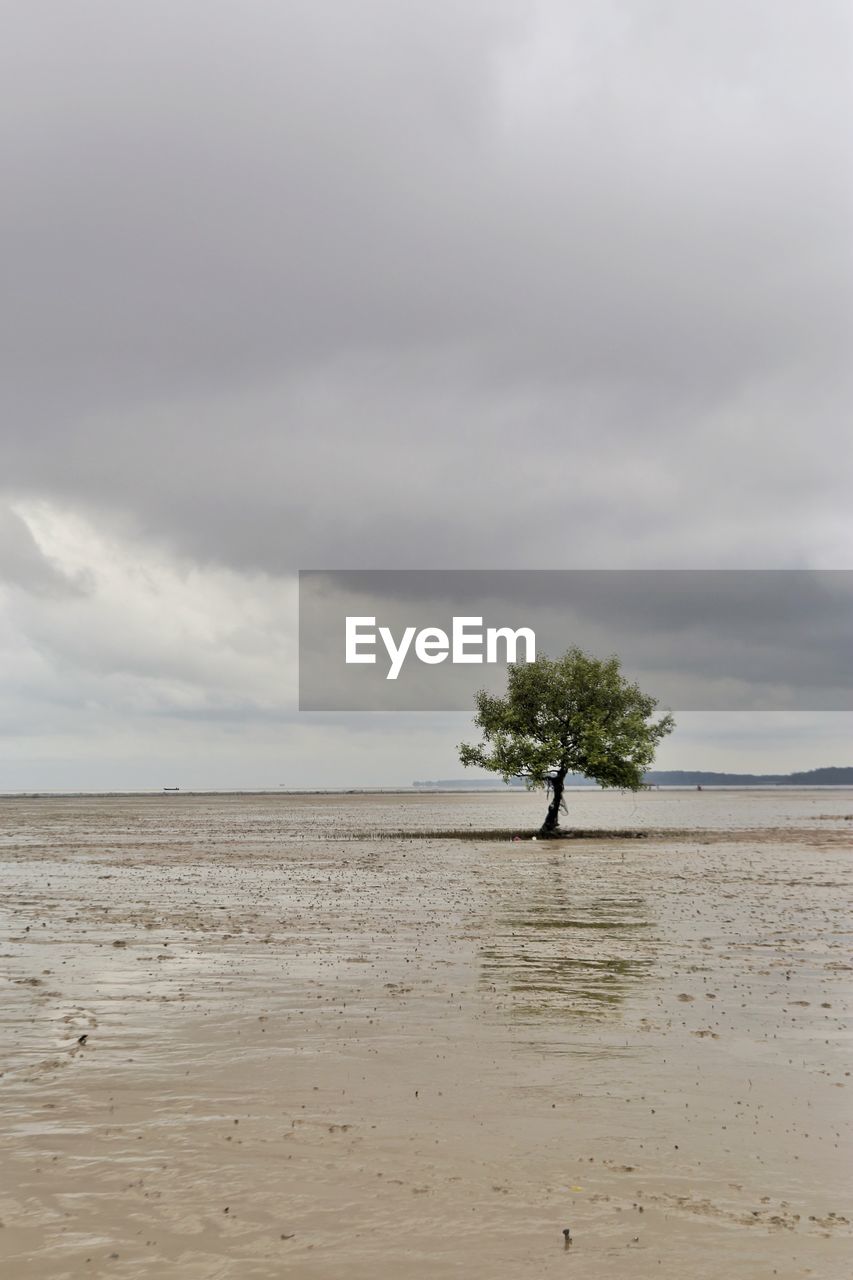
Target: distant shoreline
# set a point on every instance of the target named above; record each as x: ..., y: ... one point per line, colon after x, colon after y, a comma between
x: 420, y: 790
x: 825, y: 776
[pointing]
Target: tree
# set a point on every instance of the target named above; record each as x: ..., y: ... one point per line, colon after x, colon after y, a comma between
x: 577, y: 714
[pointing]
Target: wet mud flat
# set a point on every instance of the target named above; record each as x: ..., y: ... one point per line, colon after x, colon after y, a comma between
x: 240, y: 1040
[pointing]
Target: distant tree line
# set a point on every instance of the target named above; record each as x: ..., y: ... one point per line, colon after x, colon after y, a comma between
x: 832, y: 776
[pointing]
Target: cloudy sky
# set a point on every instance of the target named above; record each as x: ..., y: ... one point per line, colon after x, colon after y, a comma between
x: 496, y: 284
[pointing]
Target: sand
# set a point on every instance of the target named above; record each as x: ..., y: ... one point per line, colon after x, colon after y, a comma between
x: 238, y: 1043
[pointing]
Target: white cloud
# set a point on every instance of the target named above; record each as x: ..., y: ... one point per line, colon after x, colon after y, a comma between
x: 152, y: 633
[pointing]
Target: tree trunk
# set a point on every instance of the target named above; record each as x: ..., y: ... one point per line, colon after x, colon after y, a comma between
x: 551, y: 826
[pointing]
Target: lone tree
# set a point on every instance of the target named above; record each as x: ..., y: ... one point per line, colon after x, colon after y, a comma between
x: 577, y: 714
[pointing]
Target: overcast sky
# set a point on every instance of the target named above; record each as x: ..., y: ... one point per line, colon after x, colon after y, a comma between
x: 495, y: 284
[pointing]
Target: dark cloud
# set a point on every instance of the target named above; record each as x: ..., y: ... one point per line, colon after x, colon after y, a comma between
x: 387, y: 284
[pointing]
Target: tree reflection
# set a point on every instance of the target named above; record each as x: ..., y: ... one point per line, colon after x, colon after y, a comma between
x: 562, y: 949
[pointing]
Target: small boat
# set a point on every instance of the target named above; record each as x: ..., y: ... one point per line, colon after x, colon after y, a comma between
x: 171, y: 788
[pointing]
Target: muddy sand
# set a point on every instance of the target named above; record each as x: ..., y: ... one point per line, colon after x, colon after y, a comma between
x: 238, y: 1043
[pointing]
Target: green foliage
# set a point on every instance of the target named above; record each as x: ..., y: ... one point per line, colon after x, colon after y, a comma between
x: 577, y: 714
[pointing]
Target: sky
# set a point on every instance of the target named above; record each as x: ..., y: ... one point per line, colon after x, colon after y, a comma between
x: 483, y: 285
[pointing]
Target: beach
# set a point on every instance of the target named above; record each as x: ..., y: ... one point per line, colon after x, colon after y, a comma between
x: 269, y: 1035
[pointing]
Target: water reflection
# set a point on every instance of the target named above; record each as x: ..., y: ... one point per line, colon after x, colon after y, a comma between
x: 562, y: 951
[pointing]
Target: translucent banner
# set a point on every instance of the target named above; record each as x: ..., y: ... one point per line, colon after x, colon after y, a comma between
x: 711, y: 640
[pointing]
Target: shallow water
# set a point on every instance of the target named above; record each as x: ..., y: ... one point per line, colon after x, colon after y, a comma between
x: 312, y: 1055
